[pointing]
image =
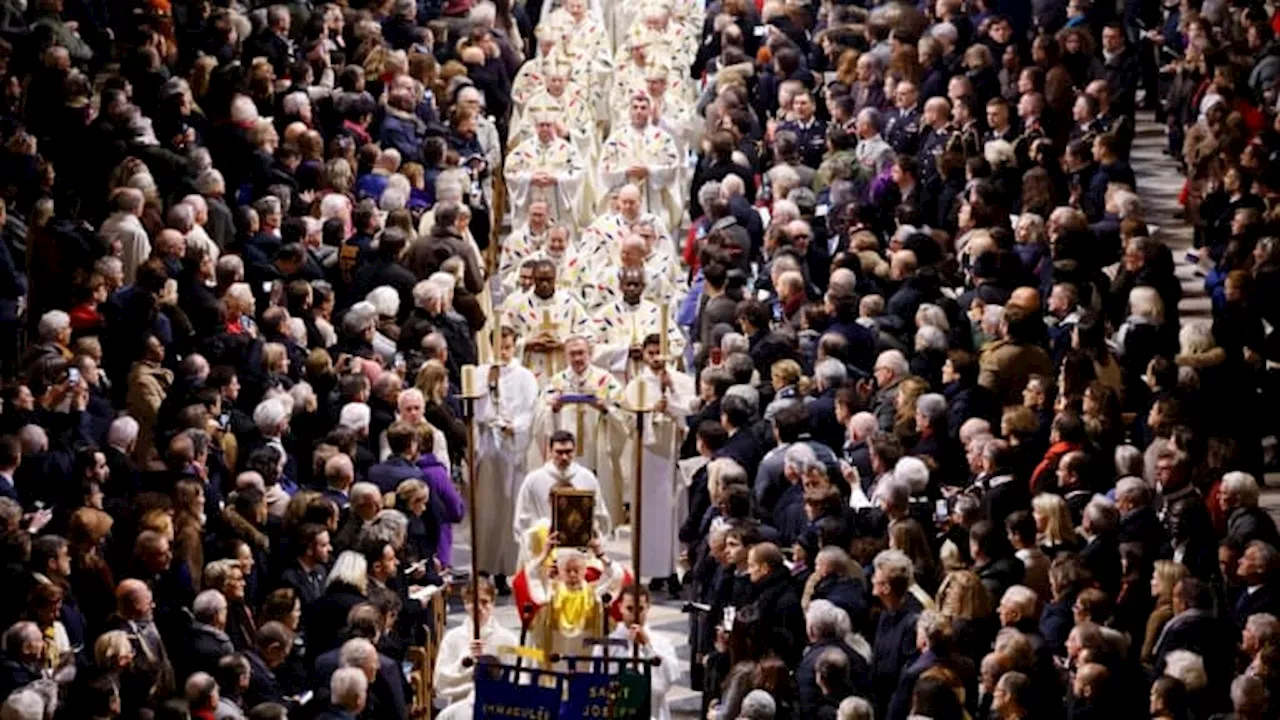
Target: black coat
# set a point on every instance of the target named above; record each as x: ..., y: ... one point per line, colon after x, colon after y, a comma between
x: 777, y: 605
x: 808, y: 694
x: 328, y: 615
x: 1246, y: 524
x: 386, y: 694
x: 394, y: 470
x: 894, y: 649
x: 1102, y: 556
x: 205, y: 646
x: 1000, y: 575
x: 848, y: 594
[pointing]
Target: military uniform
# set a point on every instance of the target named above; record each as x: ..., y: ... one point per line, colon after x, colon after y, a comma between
x: 812, y: 139
x: 1022, y: 146
x: 902, y: 131
x: 932, y: 144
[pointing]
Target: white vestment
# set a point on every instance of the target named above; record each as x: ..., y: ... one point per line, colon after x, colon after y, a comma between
x: 500, y: 462
x: 598, y: 432
x: 533, y: 503
x: 663, y: 495
x: 455, y: 681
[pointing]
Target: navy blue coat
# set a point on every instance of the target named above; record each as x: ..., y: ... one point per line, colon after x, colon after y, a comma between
x: 389, y: 474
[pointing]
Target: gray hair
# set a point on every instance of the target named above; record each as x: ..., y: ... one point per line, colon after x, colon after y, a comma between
x: 855, y: 708
x: 931, y: 338
x: 1243, y: 485
x: 871, y: 116
x: 354, y: 415
x: 930, y: 315
x: 895, y: 491
x: 1264, y: 626
x: 802, y: 457
x: 830, y: 372
x: 210, y: 181
x: 1188, y: 667
x: 385, y: 299
x: 365, y: 491
x: 1248, y: 692
x: 823, y: 619
x: 24, y: 704
x: 181, y: 217
x: 912, y: 473
x: 933, y: 406
x: 734, y: 342
x: 1023, y: 598
x: 358, y: 653
x: 347, y: 687
x: 1134, y: 490
x: 123, y: 432
x: 709, y: 193
x: 894, y: 361
x: 748, y: 393
x: 1101, y: 515
x: 758, y: 705
x: 207, y: 605
x: 52, y: 323
x: 894, y: 563
x: 269, y: 416
x: 351, y: 568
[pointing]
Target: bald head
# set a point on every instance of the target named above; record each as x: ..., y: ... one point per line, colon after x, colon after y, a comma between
x: 1027, y: 298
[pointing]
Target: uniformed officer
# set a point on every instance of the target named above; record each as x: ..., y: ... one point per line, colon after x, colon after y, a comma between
x: 934, y: 135
x: 1030, y: 108
x: 810, y: 131
x: 902, y: 125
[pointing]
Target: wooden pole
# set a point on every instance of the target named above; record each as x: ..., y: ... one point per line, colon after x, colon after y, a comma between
x: 469, y: 411
x: 637, y: 509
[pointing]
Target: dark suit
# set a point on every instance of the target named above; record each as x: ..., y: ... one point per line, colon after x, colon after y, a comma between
x: 808, y: 694
x: 386, y: 694
x: 744, y: 448
x: 389, y: 474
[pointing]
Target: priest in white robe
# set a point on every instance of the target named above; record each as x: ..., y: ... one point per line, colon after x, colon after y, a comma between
x: 583, y: 399
x: 601, y: 241
x: 586, y: 42
x: 533, y: 502
x: 543, y: 319
x: 523, y: 243
x: 645, y: 156
x: 643, y: 642
x: 572, y: 273
x: 549, y: 169
x: 504, y: 420
x: 622, y: 326
x: 607, y: 287
x: 663, y: 494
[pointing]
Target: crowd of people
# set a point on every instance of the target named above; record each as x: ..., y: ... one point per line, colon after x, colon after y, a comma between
x: 921, y: 431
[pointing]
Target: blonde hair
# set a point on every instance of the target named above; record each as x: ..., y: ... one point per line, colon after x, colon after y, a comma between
x: 157, y: 520
x: 1058, y: 526
x: 109, y: 646
x: 963, y: 596
x: 788, y: 372
x: 408, y: 490
x: 1167, y: 574
x: 428, y: 380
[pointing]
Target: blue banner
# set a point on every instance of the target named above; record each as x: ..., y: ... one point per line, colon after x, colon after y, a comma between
x: 601, y: 695
x: 500, y: 697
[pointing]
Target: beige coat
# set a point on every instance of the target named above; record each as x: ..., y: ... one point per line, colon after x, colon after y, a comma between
x: 148, y: 385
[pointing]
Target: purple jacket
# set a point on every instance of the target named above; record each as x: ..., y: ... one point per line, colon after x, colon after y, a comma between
x: 441, y: 486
